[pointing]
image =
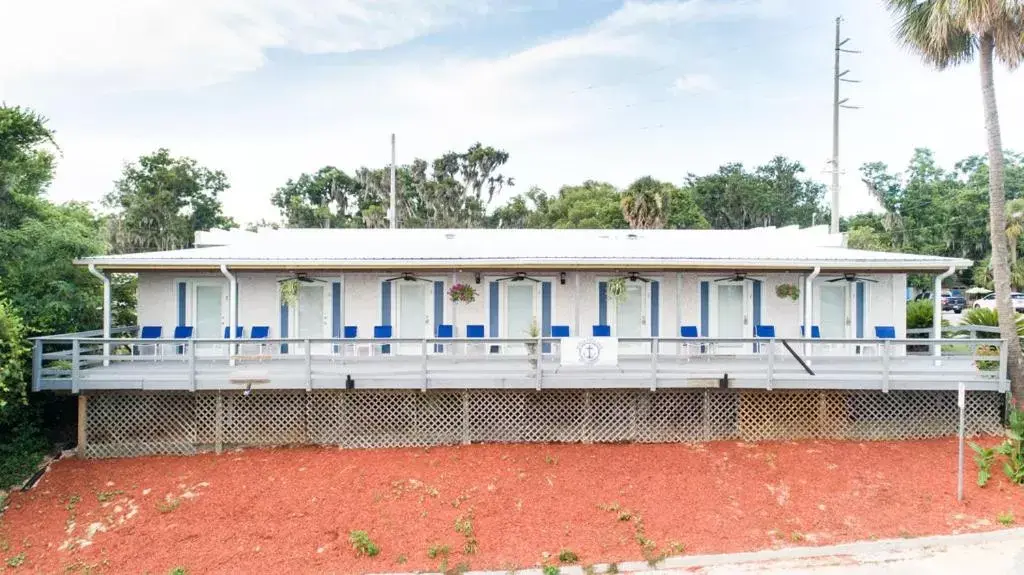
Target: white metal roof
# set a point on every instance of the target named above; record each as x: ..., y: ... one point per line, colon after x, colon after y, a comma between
x: 768, y: 248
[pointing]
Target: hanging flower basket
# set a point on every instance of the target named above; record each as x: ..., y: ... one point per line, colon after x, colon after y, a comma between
x: 462, y: 292
x: 788, y: 291
x: 290, y: 291
x: 617, y: 289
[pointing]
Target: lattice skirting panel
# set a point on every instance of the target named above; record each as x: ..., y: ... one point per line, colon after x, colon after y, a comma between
x: 143, y: 423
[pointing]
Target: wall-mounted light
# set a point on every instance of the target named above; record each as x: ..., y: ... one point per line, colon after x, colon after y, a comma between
x: 476, y: 277
x: 561, y: 278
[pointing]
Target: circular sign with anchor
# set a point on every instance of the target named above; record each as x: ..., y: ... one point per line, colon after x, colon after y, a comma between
x: 589, y: 351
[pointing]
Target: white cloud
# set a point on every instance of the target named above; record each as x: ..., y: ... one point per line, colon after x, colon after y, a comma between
x: 187, y: 43
x: 692, y: 83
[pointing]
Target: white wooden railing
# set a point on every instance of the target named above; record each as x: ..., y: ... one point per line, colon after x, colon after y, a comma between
x: 76, y: 362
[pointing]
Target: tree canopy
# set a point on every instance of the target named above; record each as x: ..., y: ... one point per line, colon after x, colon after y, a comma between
x: 160, y: 201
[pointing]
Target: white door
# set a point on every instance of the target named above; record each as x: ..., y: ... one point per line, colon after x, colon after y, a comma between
x: 520, y: 313
x: 413, y: 315
x: 208, y: 316
x: 629, y: 318
x: 731, y: 316
x: 834, y: 313
x: 310, y: 319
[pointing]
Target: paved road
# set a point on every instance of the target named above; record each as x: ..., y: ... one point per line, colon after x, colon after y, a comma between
x: 997, y: 553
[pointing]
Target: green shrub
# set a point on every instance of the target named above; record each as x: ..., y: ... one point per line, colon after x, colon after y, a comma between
x: 919, y: 314
x: 23, y: 446
x: 14, y: 364
x: 983, y: 316
x: 568, y: 556
x: 362, y: 544
x: 983, y: 456
x: 1013, y: 447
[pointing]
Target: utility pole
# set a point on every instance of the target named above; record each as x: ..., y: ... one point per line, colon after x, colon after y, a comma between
x: 394, y: 198
x: 838, y: 103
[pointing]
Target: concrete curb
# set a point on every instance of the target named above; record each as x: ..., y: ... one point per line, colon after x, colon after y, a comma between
x: 787, y: 554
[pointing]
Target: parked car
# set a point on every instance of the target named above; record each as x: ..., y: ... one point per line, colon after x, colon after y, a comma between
x: 989, y: 302
x: 953, y: 302
x: 950, y: 302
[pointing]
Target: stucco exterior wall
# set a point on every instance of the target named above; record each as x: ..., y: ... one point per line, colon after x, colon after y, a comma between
x: 679, y: 302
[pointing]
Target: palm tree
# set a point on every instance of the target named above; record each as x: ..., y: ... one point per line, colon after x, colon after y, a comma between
x: 1014, y: 226
x: 645, y: 204
x: 946, y: 33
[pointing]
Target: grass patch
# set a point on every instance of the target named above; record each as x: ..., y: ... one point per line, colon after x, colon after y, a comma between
x: 438, y: 550
x: 1006, y: 518
x: 568, y: 556
x: 177, y: 571
x: 613, y: 569
x: 17, y: 560
x: 168, y: 505
x: 464, y: 527
x: 362, y: 544
x: 551, y: 570
x: 106, y: 496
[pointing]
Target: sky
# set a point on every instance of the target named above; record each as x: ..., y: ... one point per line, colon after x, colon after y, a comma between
x: 572, y: 89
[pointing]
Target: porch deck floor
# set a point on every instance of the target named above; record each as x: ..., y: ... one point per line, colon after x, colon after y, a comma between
x: 510, y: 372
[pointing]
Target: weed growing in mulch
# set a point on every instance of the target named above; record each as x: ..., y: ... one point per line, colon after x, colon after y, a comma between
x: 362, y: 544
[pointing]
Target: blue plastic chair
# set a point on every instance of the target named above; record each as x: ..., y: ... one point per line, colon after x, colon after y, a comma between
x: 148, y: 332
x: 690, y: 332
x: 351, y: 332
x: 815, y: 331
x: 443, y: 331
x: 239, y: 330
x: 763, y: 331
x: 182, y: 332
x: 559, y: 331
x: 260, y: 332
x: 885, y: 332
x: 601, y: 331
x: 474, y: 331
x: 383, y: 332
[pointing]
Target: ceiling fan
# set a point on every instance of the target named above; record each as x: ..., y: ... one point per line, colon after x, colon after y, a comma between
x: 851, y: 277
x: 636, y: 277
x: 736, y: 277
x: 518, y: 277
x: 299, y: 276
x: 408, y: 277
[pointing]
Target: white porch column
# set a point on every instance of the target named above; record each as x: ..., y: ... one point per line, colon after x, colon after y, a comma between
x: 232, y: 306
x: 576, y: 305
x: 106, y: 310
x: 809, y: 306
x: 937, y: 310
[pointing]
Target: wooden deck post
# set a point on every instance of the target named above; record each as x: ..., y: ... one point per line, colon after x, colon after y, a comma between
x: 82, y: 420
x: 465, y: 417
x: 37, y: 364
x: 218, y: 423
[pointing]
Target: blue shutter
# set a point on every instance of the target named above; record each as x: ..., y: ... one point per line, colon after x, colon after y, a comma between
x: 182, y: 294
x: 492, y: 323
x: 336, y: 312
x: 385, y: 303
x: 757, y: 308
x: 705, y: 308
x: 438, y: 311
x: 545, y: 313
x: 602, y: 303
x: 860, y: 309
x: 655, y: 308
x: 284, y: 325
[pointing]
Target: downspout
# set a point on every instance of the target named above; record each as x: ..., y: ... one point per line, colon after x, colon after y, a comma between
x: 232, y: 305
x: 809, y: 306
x: 937, y: 311
x: 106, y: 310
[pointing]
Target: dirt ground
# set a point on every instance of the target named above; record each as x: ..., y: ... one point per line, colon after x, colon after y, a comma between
x: 486, y: 506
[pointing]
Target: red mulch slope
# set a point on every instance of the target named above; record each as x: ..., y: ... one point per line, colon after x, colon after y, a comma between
x: 291, y: 510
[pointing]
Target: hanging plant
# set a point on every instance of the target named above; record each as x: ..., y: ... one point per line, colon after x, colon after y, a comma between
x: 617, y: 289
x: 290, y: 291
x: 789, y: 291
x: 462, y: 292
